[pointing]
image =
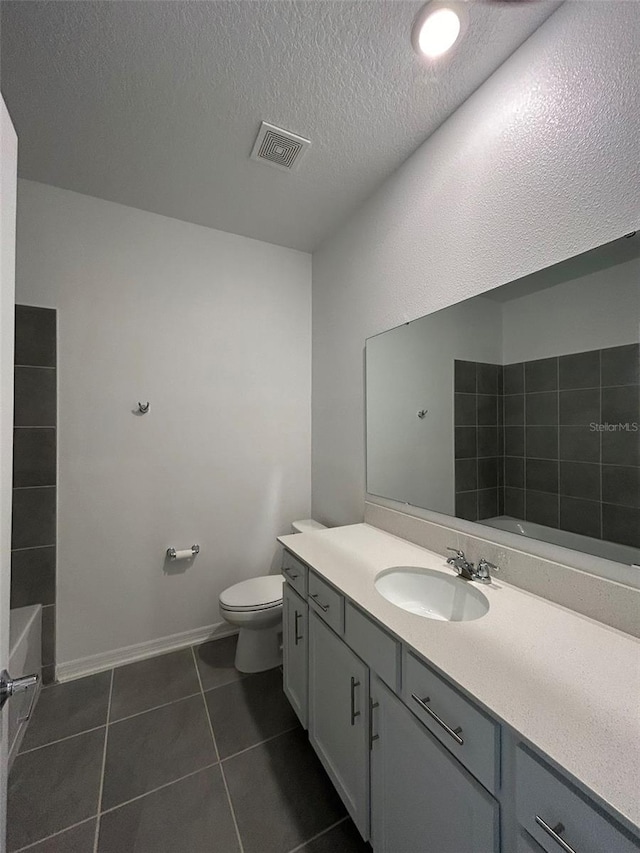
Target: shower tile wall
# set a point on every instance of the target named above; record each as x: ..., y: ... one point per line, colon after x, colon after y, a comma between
x: 478, y: 440
x: 33, y: 542
x: 571, y: 448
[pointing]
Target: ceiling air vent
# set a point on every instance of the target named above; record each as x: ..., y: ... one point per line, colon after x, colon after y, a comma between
x: 279, y: 147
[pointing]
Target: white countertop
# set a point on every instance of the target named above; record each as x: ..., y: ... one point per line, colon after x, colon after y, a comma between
x: 567, y: 684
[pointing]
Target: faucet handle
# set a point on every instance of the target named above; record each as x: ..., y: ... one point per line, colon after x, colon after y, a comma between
x: 484, y: 569
x: 457, y: 552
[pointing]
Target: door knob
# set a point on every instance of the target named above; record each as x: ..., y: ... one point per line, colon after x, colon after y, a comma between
x: 9, y: 686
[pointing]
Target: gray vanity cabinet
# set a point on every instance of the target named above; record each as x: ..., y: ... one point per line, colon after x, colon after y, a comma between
x: 338, y: 717
x: 295, y: 650
x: 421, y: 797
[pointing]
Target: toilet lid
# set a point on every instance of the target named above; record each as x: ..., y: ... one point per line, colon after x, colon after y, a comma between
x: 254, y: 593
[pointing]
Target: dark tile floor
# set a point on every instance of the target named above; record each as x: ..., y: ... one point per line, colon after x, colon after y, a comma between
x: 178, y: 753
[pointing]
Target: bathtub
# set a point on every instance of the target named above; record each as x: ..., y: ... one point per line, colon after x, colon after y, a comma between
x: 25, y: 658
x: 627, y: 557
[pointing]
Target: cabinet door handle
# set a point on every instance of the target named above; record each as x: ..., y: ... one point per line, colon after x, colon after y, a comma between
x: 372, y: 706
x: 455, y: 733
x: 293, y: 575
x: 322, y: 606
x: 297, y: 637
x: 354, y: 713
x: 554, y: 832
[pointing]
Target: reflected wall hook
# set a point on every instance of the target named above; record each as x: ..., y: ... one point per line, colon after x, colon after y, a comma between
x: 143, y: 408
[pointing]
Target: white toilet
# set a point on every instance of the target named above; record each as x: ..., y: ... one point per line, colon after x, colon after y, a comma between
x: 255, y: 607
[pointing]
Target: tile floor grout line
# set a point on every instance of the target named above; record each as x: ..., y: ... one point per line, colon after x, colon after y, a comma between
x: 55, y: 834
x: 319, y: 834
x: 60, y: 740
x: 215, y: 746
x: 159, y: 788
x: 104, y: 764
x: 260, y: 743
x: 206, y: 707
x: 154, y: 708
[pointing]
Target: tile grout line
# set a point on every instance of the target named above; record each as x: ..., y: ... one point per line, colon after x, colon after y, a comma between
x: 120, y: 719
x: 104, y: 764
x: 319, y: 834
x: 155, y: 790
x: 154, y: 708
x: 260, y: 743
x: 55, y: 834
x: 61, y: 739
x: 215, y: 746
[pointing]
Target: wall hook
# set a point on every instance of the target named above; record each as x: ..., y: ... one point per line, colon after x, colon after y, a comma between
x: 143, y: 408
x: 422, y: 413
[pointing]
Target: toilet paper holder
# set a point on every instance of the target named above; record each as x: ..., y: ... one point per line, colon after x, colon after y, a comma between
x: 172, y: 554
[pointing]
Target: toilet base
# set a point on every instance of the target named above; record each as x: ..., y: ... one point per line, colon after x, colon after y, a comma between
x: 258, y: 650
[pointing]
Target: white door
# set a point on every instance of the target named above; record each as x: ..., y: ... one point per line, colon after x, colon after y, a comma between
x: 8, y: 178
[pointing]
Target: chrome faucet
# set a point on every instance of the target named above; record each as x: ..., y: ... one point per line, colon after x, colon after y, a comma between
x: 468, y: 571
x: 460, y: 563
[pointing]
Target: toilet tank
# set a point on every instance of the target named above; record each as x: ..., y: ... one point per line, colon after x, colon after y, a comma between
x: 307, y: 525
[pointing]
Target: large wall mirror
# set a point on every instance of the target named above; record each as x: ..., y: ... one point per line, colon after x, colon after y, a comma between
x: 520, y: 408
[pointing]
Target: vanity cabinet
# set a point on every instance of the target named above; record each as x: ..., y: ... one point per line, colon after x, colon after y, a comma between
x: 419, y: 766
x: 295, y: 651
x: 339, y: 718
x: 472, y: 736
x: 558, y: 816
x: 421, y: 798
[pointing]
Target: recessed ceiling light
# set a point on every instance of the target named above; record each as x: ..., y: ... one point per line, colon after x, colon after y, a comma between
x: 436, y: 30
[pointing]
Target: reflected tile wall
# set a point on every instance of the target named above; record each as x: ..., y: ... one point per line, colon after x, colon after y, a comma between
x: 569, y: 452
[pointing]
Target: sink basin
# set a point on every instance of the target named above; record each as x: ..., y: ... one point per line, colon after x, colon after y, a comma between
x: 432, y: 594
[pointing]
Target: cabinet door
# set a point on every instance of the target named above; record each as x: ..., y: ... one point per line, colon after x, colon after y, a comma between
x: 295, y: 651
x: 422, y: 799
x: 338, y: 717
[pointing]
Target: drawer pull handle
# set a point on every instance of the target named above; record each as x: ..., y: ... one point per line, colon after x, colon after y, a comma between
x: 372, y: 706
x: 322, y: 606
x: 554, y: 832
x: 297, y: 637
x: 354, y: 713
x: 293, y: 575
x: 455, y: 733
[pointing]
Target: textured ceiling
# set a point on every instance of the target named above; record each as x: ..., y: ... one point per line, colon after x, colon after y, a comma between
x: 157, y: 104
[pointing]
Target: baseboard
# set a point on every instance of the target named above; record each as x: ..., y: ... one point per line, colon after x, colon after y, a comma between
x: 128, y: 654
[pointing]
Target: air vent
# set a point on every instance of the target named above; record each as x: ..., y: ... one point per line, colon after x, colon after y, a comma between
x: 279, y: 147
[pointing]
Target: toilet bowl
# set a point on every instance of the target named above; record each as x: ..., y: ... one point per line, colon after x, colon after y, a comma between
x: 255, y: 607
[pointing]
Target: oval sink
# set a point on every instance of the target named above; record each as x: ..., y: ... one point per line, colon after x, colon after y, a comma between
x: 432, y: 594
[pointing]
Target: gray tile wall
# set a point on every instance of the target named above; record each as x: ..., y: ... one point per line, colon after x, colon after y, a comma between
x: 33, y: 542
x: 478, y: 414
x: 570, y: 454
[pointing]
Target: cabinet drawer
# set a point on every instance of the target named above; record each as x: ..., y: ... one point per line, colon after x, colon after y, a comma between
x: 327, y: 602
x: 372, y: 643
x: 295, y: 572
x: 472, y: 736
x: 542, y: 797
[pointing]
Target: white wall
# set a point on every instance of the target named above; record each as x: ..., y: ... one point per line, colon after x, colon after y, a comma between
x: 214, y: 331
x: 410, y: 368
x: 539, y: 164
x: 8, y: 175
x: 594, y: 311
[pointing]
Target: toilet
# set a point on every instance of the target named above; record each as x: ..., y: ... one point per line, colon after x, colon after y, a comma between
x: 255, y: 607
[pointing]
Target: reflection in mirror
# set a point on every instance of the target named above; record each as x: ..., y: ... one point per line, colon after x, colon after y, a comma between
x: 520, y: 408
